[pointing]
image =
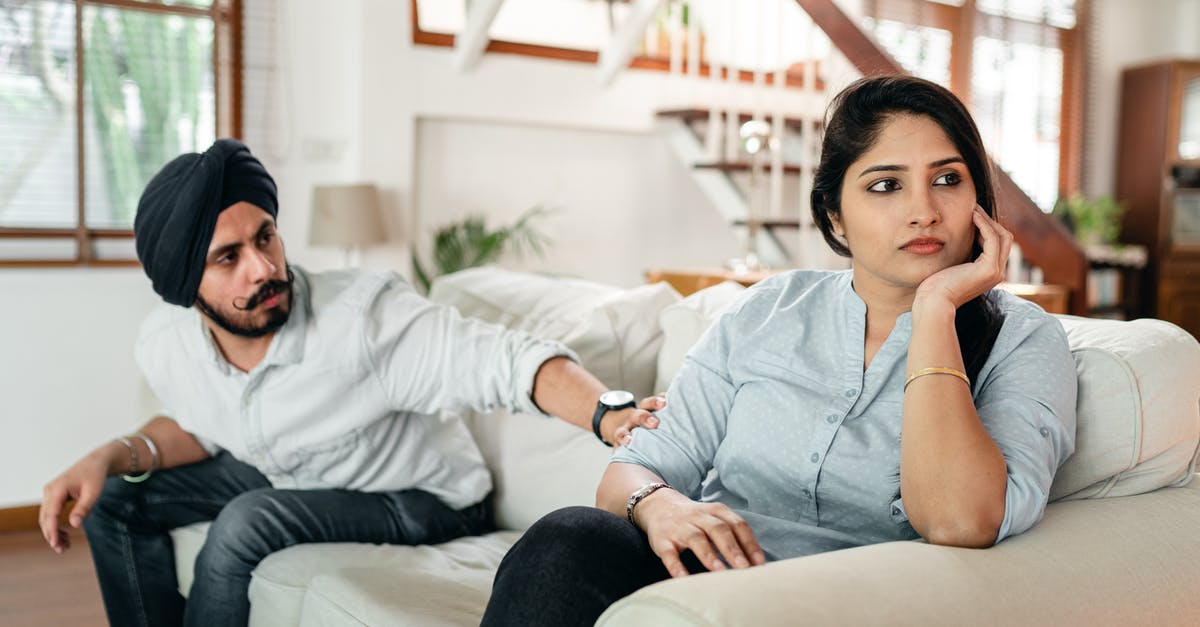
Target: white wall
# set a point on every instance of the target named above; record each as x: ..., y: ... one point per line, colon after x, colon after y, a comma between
x: 67, y: 377
x: 1129, y: 34
x: 624, y: 202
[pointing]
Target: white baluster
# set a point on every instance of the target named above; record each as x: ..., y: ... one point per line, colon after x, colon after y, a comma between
x: 731, y: 84
x: 675, y: 33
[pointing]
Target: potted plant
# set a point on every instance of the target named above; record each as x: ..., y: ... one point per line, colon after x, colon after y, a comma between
x: 469, y: 243
x: 1094, y: 221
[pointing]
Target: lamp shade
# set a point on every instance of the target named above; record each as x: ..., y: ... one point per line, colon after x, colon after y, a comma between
x: 346, y: 215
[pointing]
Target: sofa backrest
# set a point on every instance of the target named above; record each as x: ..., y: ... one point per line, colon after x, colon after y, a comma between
x: 1139, y: 387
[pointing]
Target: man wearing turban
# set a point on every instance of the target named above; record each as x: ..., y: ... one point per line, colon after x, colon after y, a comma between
x: 298, y: 407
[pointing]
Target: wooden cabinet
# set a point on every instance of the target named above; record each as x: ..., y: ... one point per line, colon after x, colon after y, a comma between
x: 1158, y: 178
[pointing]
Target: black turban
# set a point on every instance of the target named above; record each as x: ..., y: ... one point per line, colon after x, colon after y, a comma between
x: 178, y: 212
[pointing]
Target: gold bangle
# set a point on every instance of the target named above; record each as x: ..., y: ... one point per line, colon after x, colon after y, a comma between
x: 924, y: 371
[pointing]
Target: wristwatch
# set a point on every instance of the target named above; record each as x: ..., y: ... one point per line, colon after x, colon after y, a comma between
x: 612, y: 400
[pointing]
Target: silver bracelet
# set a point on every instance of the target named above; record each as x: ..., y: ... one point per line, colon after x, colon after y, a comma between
x: 155, y: 464
x: 640, y: 494
x: 131, y: 476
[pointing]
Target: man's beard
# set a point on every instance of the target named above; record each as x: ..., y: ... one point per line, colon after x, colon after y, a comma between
x: 276, y: 317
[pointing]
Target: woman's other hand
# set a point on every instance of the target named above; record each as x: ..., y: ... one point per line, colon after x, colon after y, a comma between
x: 713, y: 532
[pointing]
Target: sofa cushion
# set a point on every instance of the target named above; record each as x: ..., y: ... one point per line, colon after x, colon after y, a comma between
x: 538, y: 465
x: 341, y: 583
x: 606, y: 326
x: 1139, y: 408
x: 1138, y: 419
x: 684, y: 322
x: 280, y: 585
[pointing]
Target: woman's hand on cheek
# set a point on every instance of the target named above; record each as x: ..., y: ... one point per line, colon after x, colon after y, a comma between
x: 958, y: 284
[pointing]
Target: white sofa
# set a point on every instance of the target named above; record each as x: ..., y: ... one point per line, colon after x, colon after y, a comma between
x: 1120, y: 543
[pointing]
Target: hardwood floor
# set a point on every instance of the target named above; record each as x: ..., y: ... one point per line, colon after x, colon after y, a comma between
x: 40, y: 588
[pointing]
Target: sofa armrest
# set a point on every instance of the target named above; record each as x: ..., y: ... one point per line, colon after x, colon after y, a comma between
x: 1115, y: 561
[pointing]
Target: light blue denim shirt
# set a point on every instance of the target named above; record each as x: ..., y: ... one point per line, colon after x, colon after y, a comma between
x: 806, y: 445
x: 350, y: 392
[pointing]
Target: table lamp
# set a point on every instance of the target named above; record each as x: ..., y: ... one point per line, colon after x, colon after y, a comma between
x: 347, y: 216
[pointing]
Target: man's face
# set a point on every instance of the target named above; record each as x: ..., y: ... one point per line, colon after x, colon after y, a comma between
x: 246, y: 288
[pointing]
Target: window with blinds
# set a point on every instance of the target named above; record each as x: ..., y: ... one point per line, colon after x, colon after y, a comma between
x: 95, y: 96
x: 1017, y: 65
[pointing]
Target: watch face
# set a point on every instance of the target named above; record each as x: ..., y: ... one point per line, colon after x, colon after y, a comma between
x: 614, y: 398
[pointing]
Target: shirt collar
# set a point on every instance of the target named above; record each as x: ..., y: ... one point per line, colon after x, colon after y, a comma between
x: 856, y: 308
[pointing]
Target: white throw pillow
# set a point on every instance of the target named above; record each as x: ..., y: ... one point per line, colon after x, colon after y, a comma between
x: 1138, y: 415
x: 684, y: 322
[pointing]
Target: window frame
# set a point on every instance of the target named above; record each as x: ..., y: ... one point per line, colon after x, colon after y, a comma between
x: 793, y: 78
x: 226, y: 16
x: 963, y: 22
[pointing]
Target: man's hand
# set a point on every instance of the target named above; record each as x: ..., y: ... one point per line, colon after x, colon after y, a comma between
x: 616, y: 426
x: 674, y: 523
x: 82, y: 482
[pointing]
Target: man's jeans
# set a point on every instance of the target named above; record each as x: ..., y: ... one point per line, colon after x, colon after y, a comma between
x: 128, y: 530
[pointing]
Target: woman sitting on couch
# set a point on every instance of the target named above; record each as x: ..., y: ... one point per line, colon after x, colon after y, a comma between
x: 798, y: 396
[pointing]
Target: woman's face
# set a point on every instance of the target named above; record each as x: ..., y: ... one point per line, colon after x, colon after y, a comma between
x: 906, y: 205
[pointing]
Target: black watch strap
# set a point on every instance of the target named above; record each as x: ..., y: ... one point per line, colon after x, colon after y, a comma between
x: 598, y: 415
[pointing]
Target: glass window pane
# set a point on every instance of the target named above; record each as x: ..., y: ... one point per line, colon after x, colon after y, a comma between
x: 148, y: 96
x: 1016, y: 92
x: 922, y: 50
x: 1189, y: 121
x: 1059, y: 13
x: 199, y: 4
x: 37, y: 114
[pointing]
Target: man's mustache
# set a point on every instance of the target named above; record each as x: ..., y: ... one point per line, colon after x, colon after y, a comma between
x: 268, y: 289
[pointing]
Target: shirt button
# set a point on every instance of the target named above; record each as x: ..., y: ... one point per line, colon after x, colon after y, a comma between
x: 806, y: 493
x: 815, y: 458
x: 1045, y: 432
x: 831, y: 418
x: 895, y: 511
x: 851, y: 393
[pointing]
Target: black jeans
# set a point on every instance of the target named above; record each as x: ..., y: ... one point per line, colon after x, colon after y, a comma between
x: 128, y: 531
x: 570, y: 566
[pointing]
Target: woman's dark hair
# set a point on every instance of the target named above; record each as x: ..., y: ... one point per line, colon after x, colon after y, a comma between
x: 857, y: 117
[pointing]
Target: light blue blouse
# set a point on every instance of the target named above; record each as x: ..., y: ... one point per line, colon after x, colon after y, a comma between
x: 805, y: 445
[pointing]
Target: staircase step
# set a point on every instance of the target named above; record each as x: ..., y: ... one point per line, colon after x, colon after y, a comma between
x: 743, y: 166
x: 694, y: 114
x: 773, y: 223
